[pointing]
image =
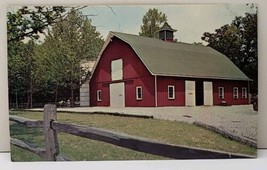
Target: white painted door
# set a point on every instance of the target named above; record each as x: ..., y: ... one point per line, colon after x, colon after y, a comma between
x: 190, y: 93
x: 117, y: 97
x: 116, y: 69
x: 208, y: 93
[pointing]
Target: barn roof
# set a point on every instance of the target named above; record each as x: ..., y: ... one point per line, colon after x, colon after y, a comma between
x: 181, y: 59
x: 167, y: 27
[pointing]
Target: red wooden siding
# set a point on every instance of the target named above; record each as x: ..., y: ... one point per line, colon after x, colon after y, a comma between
x: 228, y: 92
x: 134, y: 74
x: 148, y: 92
x: 162, y: 86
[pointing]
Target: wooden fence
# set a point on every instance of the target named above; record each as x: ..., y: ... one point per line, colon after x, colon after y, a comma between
x: 51, y: 151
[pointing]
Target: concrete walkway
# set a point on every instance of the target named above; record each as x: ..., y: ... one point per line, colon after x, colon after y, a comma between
x: 239, y: 120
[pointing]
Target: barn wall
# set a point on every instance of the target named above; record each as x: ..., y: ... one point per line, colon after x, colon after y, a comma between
x: 148, y: 99
x: 228, y: 92
x: 134, y: 74
x: 162, y: 86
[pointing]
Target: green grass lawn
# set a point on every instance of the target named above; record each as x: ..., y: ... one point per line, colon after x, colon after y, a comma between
x: 77, y: 148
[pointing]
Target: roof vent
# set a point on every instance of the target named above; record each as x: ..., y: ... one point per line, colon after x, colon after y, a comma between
x: 166, y: 32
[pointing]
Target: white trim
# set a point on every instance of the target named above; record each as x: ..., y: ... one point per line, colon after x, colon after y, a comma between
x: 171, y: 86
x: 197, y: 76
x: 235, y: 96
x: 98, y: 95
x: 244, y: 96
x: 108, y: 39
x: 222, y: 95
x: 136, y: 93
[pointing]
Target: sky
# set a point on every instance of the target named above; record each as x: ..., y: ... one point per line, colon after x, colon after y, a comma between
x: 190, y: 20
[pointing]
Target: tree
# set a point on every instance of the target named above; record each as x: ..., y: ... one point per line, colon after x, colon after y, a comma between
x: 152, y: 21
x: 26, y: 78
x: 33, y: 21
x: 238, y: 41
x: 23, y: 75
x: 30, y: 21
x: 16, y: 72
x: 66, y: 46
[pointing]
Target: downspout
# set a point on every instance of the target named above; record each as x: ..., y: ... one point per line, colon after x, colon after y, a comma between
x: 156, y: 92
x: 89, y: 94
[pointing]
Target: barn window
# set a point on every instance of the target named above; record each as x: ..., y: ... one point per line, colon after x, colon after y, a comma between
x: 244, y: 93
x: 171, y: 92
x: 139, y: 93
x: 235, y: 92
x: 98, y: 95
x: 221, y: 92
x: 116, y: 69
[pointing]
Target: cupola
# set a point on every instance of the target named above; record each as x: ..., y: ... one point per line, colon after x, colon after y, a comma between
x: 166, y: 32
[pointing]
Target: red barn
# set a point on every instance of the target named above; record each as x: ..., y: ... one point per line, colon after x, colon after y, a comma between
x: 136, y: 71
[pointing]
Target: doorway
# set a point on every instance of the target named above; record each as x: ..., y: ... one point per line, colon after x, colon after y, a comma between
x: 199, y: 93
x: 117, y: 98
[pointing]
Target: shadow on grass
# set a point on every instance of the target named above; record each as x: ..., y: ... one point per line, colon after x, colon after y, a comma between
x: 34, y: 136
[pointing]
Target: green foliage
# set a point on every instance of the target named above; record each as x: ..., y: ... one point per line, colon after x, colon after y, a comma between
x: 30, y: 21
x: 41, y: 72
x: 152, y: 21
x: 69, y: 43
x: 238, y: 41
x: 23, y: 75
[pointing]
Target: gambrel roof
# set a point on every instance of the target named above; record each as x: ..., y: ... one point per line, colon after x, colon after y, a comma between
x: 180, y: 59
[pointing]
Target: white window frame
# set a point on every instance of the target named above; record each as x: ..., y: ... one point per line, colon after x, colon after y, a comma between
x: 173, y: 96
x: 244, y: 93
x: 98, y: 95
x: 221, y: 96
x: 235, y: 89
x: 141, y: 93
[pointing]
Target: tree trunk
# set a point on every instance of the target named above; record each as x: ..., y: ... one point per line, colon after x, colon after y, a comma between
x: 72, y: 95
x: 17, y: 104
x: 28, y: 100
x: 56, y: 94
x: 31, y: 99
x: 30, y: 94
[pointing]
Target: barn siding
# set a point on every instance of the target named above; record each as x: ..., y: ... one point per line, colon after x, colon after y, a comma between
x: 228, y: 92
x: 162, y: 86
x: 148, y: 92
x: 134, y: 74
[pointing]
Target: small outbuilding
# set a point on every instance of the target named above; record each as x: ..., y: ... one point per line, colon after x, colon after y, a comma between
x: 136, y: 71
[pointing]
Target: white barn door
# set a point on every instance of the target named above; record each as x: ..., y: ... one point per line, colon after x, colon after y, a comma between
x: 116, y: 69
x: 117, y: 96
x: 190, y: 93
x: 208, y: 93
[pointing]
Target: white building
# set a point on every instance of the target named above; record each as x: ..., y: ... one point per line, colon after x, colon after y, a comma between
x: 84, y: 89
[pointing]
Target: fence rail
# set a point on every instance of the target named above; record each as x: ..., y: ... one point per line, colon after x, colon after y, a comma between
x: 52, y: 126
x: 27, y: 122
x: 38, y: 151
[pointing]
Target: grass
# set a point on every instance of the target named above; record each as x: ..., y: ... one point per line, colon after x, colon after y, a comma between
x: 78, y: 148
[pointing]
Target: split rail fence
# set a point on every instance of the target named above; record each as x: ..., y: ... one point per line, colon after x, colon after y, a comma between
x: 51, y: 151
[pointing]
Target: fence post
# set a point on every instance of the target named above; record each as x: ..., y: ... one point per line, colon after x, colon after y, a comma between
x: 51, y: 142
